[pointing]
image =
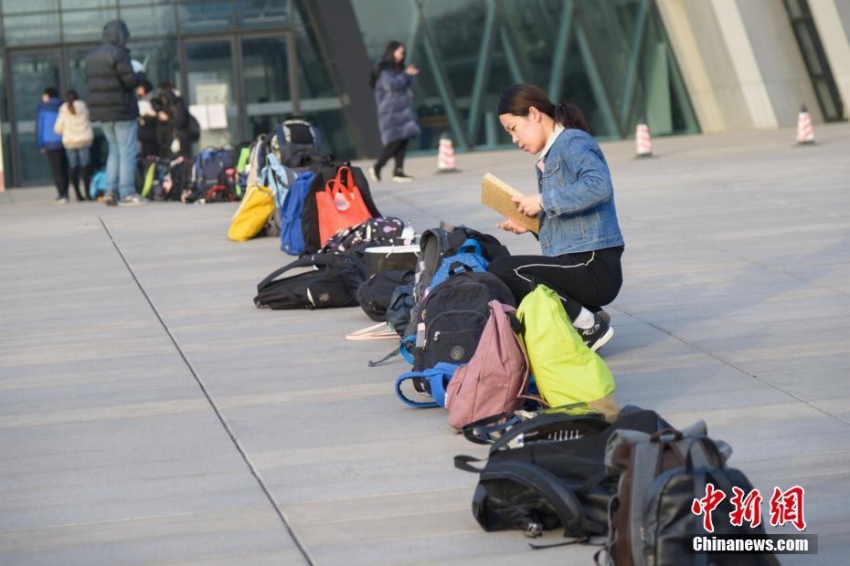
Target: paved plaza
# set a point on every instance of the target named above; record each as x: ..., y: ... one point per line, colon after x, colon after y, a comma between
x: 150, y: 414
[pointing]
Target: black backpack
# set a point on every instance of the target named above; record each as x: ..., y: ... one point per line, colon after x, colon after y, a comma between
x: 438, y: 243
x: 399, y: 307
x: 376, y: 293
x: 447, y: 324
x: 331, y: 282
x: 296, y: 143
x: 549, y: 472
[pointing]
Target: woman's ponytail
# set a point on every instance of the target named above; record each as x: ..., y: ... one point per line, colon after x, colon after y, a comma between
x: 571, y: 117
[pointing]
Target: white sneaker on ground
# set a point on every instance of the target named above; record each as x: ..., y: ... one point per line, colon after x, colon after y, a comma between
x: 133, y: 200
x: 401, y: 178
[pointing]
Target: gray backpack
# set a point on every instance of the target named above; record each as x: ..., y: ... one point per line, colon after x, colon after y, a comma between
x: 650, y: 520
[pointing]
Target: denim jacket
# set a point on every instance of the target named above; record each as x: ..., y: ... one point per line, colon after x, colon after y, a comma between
x: 578, y: 197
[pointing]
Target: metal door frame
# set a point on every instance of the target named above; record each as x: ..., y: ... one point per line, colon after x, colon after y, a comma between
x: 12, y: 122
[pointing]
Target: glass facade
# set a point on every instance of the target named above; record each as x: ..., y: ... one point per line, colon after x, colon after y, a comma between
x: 265, y: 59
x: 609, y: 57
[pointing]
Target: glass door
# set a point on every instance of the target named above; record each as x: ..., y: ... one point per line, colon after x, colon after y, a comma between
x: 30, y: 72
x: 265, y: 70
x: 210, y: 90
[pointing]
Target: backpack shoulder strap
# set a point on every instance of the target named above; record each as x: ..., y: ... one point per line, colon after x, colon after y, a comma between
x: 562, y: 499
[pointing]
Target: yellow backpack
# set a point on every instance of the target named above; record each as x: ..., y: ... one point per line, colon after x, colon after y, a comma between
x: 565, y: 370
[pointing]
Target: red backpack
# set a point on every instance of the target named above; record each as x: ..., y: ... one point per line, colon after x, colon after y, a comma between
x: 496, y: 378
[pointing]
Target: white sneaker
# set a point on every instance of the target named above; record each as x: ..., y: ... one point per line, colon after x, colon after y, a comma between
x: 60, y: 200
x: 133, y: 200
x: 373, y: 175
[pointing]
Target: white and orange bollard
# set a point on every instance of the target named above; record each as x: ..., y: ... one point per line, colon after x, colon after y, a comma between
x: 446, y: 155
x: 805, y: 130
x: 643, y: 143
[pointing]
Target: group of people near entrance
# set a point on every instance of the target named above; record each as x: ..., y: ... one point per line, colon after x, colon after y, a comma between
x: 579, y: 234
x: 136, y: 119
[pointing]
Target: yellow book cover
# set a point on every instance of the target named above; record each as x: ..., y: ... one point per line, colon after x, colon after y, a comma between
x: 497, y: 194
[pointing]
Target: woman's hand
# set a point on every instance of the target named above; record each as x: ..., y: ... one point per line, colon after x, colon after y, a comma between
x: 412, y: 70
x: 528, y: 205
x: 511, y: 226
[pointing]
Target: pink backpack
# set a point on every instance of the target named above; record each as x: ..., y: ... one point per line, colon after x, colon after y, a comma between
x: 495, y: 379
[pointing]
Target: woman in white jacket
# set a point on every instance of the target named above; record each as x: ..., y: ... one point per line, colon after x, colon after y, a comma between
x: 74, y: 126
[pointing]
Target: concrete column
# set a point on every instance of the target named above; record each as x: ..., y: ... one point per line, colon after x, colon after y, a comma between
x: 691, y: 64
x: 744, y: 63
x: 834, y: 37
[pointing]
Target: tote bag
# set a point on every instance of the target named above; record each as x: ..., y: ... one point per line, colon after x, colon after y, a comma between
x: 340, y: 205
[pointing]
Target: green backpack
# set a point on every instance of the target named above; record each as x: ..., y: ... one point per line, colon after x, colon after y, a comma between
x: 565, y: 370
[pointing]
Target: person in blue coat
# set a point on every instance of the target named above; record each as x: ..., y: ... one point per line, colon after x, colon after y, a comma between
x: 50, y: 143
x: 393, y: 84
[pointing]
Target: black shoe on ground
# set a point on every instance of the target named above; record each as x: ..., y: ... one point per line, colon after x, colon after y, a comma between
x: 109, y: 199
x: 598, y: 335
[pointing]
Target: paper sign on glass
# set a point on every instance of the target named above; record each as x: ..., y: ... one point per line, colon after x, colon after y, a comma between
x: 497, y: 194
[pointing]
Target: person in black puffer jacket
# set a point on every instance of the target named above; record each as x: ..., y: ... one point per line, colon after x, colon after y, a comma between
x: 112, y: 83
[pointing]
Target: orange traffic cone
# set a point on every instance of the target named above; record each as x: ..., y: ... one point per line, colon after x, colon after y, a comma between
x: 805, y: 131
x: 446, y: 155
x: 643, y: 144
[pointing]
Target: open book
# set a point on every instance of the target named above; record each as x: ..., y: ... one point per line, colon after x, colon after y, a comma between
x: 497, y: 194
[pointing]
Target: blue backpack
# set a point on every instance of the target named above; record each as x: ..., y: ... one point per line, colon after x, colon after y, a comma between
x: 98, y: 184
x: 469, y: 257
x: 209, y: 164
x: 291, y: 238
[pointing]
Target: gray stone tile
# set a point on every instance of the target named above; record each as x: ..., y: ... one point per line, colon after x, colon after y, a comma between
x: 111, y: 453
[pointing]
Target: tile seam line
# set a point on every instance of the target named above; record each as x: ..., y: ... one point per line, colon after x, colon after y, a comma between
x: 732, y: 365
x: 218, y: 412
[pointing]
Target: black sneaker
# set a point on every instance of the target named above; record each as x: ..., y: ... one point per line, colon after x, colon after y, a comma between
x: 598, y: 335
x: 109, y: 199
x: 401, y: 178
x: 374, y: 174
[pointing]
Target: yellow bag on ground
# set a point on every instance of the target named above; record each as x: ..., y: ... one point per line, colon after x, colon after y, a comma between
x: 565, y: 370
x: 255, y: 210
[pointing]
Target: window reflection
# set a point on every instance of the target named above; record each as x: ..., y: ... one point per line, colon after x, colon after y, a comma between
x: 31, y: 29
x: 149, y: 20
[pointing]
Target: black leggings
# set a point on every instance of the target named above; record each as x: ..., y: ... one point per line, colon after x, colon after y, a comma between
x: 587, y: 279
x: 59, y: 170
x: 395, y: 149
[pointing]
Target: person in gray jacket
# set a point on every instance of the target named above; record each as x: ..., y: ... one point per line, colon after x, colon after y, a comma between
x: 112, y: 83
x: 393, y: 82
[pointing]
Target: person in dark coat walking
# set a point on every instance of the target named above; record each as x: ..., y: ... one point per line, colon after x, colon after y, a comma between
x: 112, y: 83
x: 50, y: 143
x: 393, y: 84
